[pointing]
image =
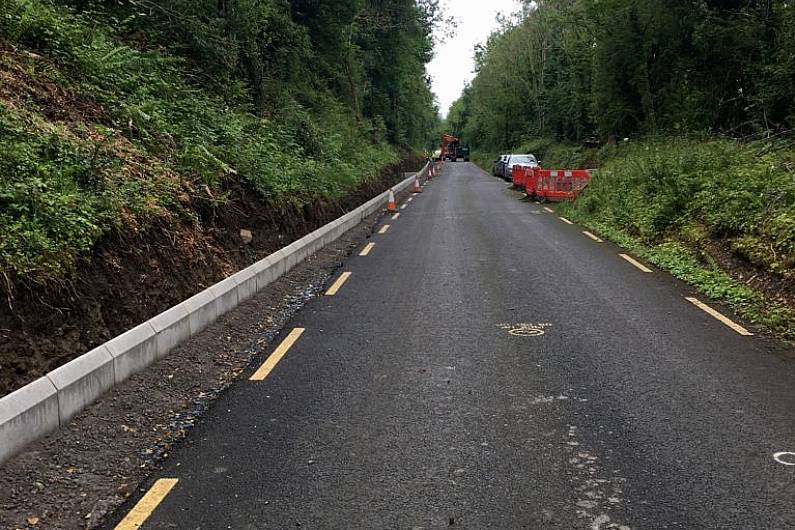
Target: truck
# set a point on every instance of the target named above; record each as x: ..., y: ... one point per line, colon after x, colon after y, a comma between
x: 452, y: 149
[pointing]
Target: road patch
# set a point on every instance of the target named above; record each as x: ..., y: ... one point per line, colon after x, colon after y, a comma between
x: 711, y: 312
x: 338, y: 284
x: 636, y: 263
x: 148, y: 503
x: 271, y: 362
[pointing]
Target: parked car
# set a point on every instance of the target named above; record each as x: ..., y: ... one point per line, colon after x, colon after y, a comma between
x: 527, y: 160
x: 498, y: 169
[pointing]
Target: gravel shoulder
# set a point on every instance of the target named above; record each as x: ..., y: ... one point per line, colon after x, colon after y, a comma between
x: 76, y: 476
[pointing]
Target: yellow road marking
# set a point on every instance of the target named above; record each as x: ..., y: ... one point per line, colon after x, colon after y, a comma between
x: 367, y: 248
x: 383, y: 229
x: 707, y: 309
x: 637, y: 264
x: 587, y: 233
x: 271, y: 362
x: 565, y: 220
x: 396, y: 216
x: 336, y: 285
x: 148, y: 503
x: 403, y: 207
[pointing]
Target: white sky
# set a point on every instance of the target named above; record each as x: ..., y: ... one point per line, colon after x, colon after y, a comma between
x: 452, y: 65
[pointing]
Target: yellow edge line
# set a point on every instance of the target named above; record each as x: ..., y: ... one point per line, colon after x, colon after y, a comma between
x: 637, y: 264
x: 707, y: 309
x: 337, y: 284
x: 148, y: 503
x: 565, y: 220
x: 269, y: 364
x: 396, y: 216
x: 367, y: 248
x: 383, y: 229
x: 550, y: 210
x: 587, y: 233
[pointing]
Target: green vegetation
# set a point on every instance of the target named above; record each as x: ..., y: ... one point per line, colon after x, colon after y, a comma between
x: 126, y: 113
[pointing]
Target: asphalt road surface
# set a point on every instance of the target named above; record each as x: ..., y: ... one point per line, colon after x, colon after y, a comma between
x: 488, y: 365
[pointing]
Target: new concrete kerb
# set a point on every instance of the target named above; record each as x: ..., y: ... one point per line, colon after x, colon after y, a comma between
x: 44, y: 405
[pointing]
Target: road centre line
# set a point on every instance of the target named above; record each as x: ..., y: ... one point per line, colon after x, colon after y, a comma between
x: 547, y: 209
x: 727, y: 321
x: 565, y: 220
x: 274, y: 358
x: 383, y: 229
x: 338, y: 284
x: 636, y: 263
x: 148, y: 503
x: 396, y: 216
x: 367, y: 248
x: 592, y: 236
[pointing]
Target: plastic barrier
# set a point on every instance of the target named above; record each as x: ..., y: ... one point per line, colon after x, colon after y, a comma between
x: 519, y: 175
x: 558, y: 185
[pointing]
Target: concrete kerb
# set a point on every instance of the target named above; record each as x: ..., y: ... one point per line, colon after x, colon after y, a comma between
x: 42, y: 406
x: 81, y: 381
x: 132, y: 351
x: 26, y: 415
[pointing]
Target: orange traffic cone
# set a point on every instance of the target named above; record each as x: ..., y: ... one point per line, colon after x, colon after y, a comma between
x: 417, y: 187
x: 390, y: 203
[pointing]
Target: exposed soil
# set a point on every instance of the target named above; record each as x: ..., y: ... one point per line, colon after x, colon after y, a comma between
x: 131, y: 278
x: 76, y: 476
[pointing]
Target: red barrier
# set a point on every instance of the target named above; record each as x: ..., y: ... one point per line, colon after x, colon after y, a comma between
x: 557, y: 185
x: 519, y: 175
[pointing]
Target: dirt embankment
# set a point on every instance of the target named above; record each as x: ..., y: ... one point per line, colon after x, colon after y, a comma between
x: 132, y: 278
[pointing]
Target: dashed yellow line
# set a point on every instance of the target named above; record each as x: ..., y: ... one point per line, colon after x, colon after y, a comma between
x: 396, y: 216
x: 367, y: 248
x: 383, y: 229
x: 547, y: 209
x: 636, y: 263
x: 274, y: 358
x: 707, y: 309
x: 338, y: 284
x: 148, y: 503
x: 592, y: 236
x: 565, y: 220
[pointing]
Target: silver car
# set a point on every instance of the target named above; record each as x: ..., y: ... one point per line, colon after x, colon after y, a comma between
x: 518, y: 160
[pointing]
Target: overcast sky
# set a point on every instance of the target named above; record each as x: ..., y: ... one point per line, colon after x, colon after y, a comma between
x: 453, y: 62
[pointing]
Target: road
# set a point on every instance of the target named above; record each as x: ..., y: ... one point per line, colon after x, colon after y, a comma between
x: 488, y: 365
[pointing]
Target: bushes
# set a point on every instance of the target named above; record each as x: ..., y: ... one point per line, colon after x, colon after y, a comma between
x: 162, y: 139
x: 721, y: 189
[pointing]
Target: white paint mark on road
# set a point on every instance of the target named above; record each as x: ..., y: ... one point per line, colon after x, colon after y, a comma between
x: 403, y: 206
x: 383, y: 229
x: 592, y: 236
x: 366, y: 250
x: 523, y: 329
x: 714, y: 314
x: 410, y: 199
x: 565, y: 220
x: 635, y: 263
x: 785, y: 457
x: 547, y: 209
x: 396, y: 216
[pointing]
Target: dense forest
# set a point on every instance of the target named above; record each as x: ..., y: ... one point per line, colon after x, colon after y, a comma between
x: 599, y: 70
x: 123, y: 114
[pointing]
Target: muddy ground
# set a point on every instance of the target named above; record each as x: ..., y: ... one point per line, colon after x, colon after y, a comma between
x: 129, y: 278
x: 74, y: 477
